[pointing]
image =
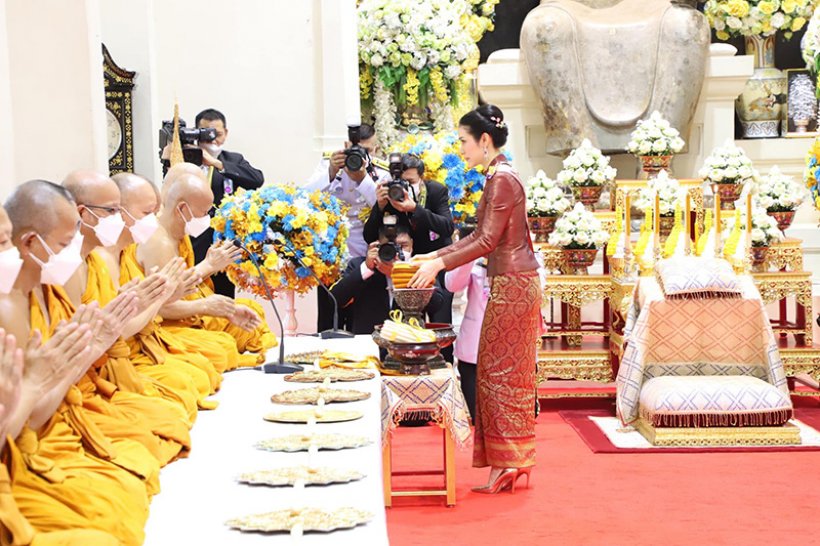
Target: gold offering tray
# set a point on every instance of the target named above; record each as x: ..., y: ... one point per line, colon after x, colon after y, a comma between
x: 302, y: 442
x: 303, y: 416
x: 306, y: 519
x: 309, y: 476
x: 311, y: 395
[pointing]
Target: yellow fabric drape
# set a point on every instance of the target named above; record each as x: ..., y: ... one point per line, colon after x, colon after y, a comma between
x: 166, y: 420
x: 256, y: 341
x: 184, y: 375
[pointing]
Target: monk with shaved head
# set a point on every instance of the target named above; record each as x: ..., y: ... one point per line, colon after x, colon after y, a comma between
x: 65, y: 472
x: 163, y: 413
x: 184, y: 213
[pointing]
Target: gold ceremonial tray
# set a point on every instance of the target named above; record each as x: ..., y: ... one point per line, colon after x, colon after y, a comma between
x: 308, y: 519
x: 311, y: 395
x: 335, y: 374
x: 322, y: 416
x: 310, y: 476
x: 302, y: 442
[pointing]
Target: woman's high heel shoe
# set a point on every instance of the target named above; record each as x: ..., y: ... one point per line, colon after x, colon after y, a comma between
x: 524, y: 472
x: 505, y: 480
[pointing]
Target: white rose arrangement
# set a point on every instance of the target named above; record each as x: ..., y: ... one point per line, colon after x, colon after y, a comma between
x: 655, y: 136
x: 578, y: 229
x: 777, y: 192
x: 586, y: 166
x: 668, y: 189
x: 545, y: 197
x: 757, y: 17
x: 728, y: 165
x: 764, y: 227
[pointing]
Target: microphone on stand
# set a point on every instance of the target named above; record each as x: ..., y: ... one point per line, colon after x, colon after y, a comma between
x: 271, y: 367
x: 335, y: 332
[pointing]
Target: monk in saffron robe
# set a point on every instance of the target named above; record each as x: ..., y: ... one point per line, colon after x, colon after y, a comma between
x: 128, y: 394
x: 186, y: 204
x: 64, y: 473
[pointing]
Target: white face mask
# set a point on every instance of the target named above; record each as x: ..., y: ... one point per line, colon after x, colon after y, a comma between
x: 10, y: 264
x: 196, y: 226
x: 144, y: 228
x: 108, y: 229
x: 61, y: 266
x: 212, y: 148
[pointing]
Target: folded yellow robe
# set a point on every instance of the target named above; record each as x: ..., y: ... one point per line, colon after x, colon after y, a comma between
x: 166, y: 419
x: 15, y: 529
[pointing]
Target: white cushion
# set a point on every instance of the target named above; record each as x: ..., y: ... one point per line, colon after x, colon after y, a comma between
x: 713, y: 401
x: 687, y: 276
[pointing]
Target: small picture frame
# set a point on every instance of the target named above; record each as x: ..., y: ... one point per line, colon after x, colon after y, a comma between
x: 800, y: 120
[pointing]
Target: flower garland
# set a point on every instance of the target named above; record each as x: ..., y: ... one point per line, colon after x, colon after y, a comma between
x: 275, y: 222
x: 545, y: 197
x: 757, y: 17
x: 578, y: 229
x: 417, y: 49
x: 443, y: 163
x: 385, y: 124
x: 654, y: 137
x: 811, y: 174
x: 586, y: 166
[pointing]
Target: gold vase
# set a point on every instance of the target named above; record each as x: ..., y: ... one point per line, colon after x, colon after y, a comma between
x: 541, y: 227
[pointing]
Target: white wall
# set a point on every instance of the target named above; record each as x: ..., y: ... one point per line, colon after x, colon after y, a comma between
x: 7, y: 174
x: 56, y: 84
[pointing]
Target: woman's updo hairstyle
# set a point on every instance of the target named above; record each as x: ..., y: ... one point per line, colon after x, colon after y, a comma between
x: 489, y: 119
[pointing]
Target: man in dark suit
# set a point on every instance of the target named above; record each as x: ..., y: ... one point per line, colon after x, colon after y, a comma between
x: 363, y: 288
x: 425, y: 210
x: 227, y: 171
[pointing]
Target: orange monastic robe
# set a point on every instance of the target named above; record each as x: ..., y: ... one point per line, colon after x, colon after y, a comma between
x: 57, y: 484
x: 256, y: 341
x: 15, y: 529
x: 183, y: 373
x: 133, y: 395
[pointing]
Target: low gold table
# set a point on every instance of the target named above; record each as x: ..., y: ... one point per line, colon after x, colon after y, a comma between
x: 778, y: 287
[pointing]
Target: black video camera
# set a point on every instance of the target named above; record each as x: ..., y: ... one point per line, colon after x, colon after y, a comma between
x: 390, y: 250
x: 189, y: 137
x: 356, y: 157
x: 396, y: 187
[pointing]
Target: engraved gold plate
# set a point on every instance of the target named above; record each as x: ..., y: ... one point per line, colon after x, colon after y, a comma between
x: 309, y: 476
x: 302, y: 442
x: 321, y: 416
x: 313, y: 394
x: 308, y: 519
x: 334, y: 374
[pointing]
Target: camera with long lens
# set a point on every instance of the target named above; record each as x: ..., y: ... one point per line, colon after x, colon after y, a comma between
x: 396, y: 187
x: 390, y: 250
x: 356, y: 157
x: 189, y: 137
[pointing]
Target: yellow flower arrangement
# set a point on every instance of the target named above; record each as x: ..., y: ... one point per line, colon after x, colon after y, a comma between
x: 290, y: 231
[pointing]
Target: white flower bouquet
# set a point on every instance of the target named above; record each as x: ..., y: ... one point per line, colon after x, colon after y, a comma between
x: 655, y: 137
x: 777, y: 192
x: 757, y: 17
x: 764, y: 227
x: 728, y: 165
x: 545, y: 197
x: 578, y: 229
x: 586, y: 166
x: 668, y: 189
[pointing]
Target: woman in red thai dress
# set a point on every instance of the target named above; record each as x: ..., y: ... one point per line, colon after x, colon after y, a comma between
x: 504, y: 420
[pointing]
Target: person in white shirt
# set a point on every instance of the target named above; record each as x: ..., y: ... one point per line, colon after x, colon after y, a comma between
x: 358, y: 190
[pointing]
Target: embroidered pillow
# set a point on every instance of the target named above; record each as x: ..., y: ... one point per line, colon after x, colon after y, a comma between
x: 693, y: 276
x: 713, y: 401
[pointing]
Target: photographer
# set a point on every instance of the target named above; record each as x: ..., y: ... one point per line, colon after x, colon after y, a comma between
x: 349, y: 175
x: 363, y: 289
x: 424, y: 208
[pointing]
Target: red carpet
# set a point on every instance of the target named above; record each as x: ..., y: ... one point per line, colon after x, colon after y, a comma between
x: 578, y: 497
x: 598, y: 442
